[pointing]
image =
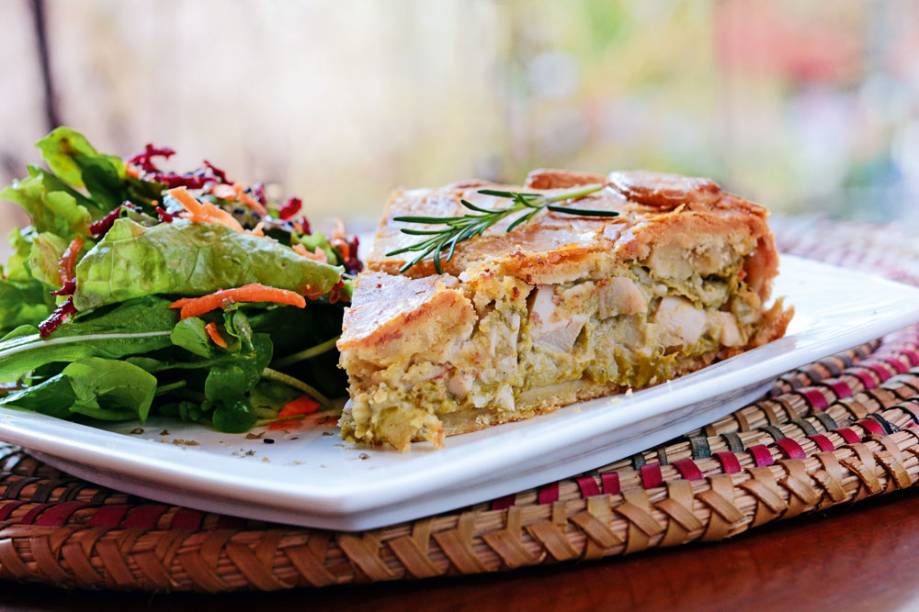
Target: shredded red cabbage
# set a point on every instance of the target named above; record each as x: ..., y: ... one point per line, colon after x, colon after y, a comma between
x: 68, y: 288
x: 164, y: 216
x: 352, y: 264
x: 218, y: 173
x: 102, y: 226
x: 335, y: 292
x: 192, y: 181
x: 290, y: 208
x: 145, y: 160
x: 57, y: 318
x: 258, y: 192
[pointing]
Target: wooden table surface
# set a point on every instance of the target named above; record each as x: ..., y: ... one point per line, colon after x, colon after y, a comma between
x: 863, y: 557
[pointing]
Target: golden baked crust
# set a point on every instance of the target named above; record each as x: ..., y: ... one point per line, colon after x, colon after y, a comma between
x: 655, y: 209
x: 561, y: 309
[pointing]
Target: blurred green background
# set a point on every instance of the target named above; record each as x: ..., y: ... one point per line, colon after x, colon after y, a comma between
x: 806, y: 106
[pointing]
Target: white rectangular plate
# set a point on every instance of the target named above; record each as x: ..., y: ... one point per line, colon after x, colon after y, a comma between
x: 312, y: 478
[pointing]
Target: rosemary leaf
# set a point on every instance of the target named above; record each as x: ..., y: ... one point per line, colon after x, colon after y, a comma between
x: 441, y: 244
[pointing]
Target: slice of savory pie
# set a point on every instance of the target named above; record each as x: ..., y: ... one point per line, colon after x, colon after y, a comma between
x: 562, y: 308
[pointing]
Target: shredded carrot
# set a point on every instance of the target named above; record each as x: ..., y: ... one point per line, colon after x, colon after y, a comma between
x: 248, y: 200
x: 338, y: 232
x: 132, y: 171
x: 195, y: 307
x: 258, y: 230
x: 181, y: 302
x: 214, y: 334
x: 339, y: 240
x: 312, y: 293
x: 344, y: 248
x: 319, y: 255
x: 68, y: 261
x: 204, y: 212
x: 299, y: 407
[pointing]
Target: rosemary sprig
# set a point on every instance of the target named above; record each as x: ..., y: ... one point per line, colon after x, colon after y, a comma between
x: 459, y: 229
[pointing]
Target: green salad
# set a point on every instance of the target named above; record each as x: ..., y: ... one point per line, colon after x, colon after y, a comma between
x: 138, y: 291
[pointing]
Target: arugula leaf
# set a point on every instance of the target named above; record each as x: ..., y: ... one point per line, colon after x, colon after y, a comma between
x: 71, y: 157
x: 103, y: 389
x: 190, y: 335
x: 110, y: 390
x: 187, y: 258
x: 52, y: 397
x: 129, y: 329
x: 45, y: 256
x: 52, y: 206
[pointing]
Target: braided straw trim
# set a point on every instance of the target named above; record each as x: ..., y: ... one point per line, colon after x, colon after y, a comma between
x: 678, y: 512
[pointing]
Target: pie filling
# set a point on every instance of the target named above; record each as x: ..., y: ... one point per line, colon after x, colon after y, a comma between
x: 531, y: 348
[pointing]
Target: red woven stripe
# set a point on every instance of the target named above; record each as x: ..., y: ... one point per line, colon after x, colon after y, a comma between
x: 57, y: 515
x: 8, y: 507
x: 814, y: 398
x: 688, y: 469
x: 840, y: 387
x: 848, y: 435
x: 896, y: 364
x: 761, y: 455
x: 588, y: 486
x: 729, y: 462
x: 867, y: 379
x: 32, y: 514
x: 790, y: 448
x: 872, y: 426
x: 882, y: 372
x: 912, y: 355
x: 822, y: 442
x: 548, y: 494
x: 610, y: 481
x: 144, y: 517
x: 651, y: 476
x: 186, y: 518
x: 503, y: 503
x: 108, y: 516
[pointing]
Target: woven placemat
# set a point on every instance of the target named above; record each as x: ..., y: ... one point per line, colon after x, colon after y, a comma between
x: 836, y: 431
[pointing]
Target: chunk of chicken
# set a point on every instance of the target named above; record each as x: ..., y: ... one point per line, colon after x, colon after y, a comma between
x: 550, y: 328
x: 621, y: 296
x: 725, y: 324
x: 680, y: 321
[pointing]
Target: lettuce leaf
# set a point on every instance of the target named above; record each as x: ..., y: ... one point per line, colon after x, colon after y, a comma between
x: 52, y: 206
x: 23, y: 302
x: 25, y: 299
x: 17, y: 265
x: 71, y: 157
x: 131, y: 328
x: 185, y: 258
x: 45, y: 256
